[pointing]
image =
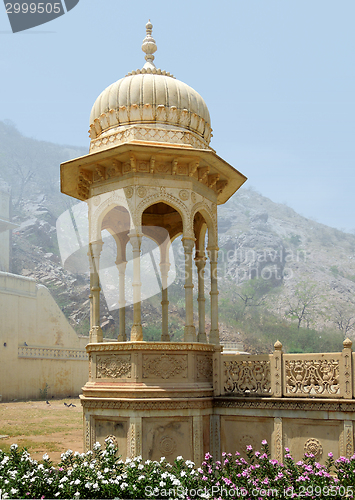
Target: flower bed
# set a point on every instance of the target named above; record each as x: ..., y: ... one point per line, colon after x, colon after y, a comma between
x: 101, y: 474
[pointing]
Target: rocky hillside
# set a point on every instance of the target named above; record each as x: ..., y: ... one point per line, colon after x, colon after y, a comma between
x: 274, y: 263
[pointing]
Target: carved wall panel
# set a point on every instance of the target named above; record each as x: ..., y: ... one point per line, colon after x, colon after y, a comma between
x: 168, y: 437
x: 114, y: 428
x: 204, y: 367
x: 318, y: 437
x: 114, y: 366
x: 166, y: 366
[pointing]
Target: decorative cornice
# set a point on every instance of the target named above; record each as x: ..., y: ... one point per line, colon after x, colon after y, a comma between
x: 151, y: 346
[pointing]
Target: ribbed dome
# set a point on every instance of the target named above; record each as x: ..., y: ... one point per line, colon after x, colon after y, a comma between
x: 154, y: 98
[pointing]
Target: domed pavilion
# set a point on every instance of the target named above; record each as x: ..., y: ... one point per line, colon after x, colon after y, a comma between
x: 150, y: 173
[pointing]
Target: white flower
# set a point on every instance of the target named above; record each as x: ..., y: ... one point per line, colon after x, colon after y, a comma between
x: 124, y: 486
x: 140, y: 466
x: 162, y: 483
x: 162, y: 459
x: 77, y: 481
x: 57, y: 494
x: 183, y: 473
x: 45, y: 456
x: 77, y: 494
x: 141, y: 477
x: 13, y: 491
x: 95, y: 486
x: 13, y: 447
x: 179, y: 458
x: 97, y: 446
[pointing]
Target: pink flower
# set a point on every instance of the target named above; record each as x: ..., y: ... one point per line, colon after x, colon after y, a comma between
x: 249, y: 447
x: 264, y: 442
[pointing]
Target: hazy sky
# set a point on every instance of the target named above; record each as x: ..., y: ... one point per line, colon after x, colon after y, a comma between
x: 278, y: 77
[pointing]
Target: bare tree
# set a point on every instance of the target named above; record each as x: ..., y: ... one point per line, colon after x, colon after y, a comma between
x: 302, y: 306
x: 343, y: 315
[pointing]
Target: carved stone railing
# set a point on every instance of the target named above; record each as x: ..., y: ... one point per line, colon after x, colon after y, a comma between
x: 246, y: 375
x: 324, y: 375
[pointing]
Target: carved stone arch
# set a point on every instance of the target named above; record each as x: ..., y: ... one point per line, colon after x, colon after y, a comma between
x: 210, y: 219
x: 172, y: 201
x: 96, y: 218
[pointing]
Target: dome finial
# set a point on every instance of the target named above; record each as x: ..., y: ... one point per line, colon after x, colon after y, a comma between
x: 149, y: 46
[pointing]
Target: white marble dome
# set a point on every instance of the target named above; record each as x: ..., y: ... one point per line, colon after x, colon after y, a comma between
x: 149, y: 105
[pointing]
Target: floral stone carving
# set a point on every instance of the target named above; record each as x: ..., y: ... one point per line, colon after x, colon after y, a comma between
x: 317, y: 376
x: 314, y: 447
x: 164, y: 366
x: 113, y: 366
x: 247, y: 376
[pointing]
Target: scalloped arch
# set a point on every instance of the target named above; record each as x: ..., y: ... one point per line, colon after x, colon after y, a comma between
x: 170, y: 200
x: 95, y: 220
x: 210, y: 219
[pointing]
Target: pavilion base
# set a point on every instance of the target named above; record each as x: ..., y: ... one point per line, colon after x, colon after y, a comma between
x: 153, y: 398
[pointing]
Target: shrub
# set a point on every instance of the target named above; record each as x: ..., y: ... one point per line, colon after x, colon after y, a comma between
x: 102, y: 474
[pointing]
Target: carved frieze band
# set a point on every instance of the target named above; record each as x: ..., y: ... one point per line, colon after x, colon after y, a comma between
x: 247, y: 377
x: 282, y: 404
x: 312, y: 377
x: 147, y: 405
x: 52, y: 353
x: 164, y: 365
x: 148, y: 134
x: 114, y: 366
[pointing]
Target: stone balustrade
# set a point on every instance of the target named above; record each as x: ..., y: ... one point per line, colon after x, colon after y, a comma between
x: 316, y: 375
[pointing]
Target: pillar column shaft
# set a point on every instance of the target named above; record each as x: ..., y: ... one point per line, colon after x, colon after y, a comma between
x: 164, y: 270
x: 136, y: 332
x: 121, y: 266
x: 214, y: 333
x: 200, y: 264
x: 94, y: 257
x: 190, y: 331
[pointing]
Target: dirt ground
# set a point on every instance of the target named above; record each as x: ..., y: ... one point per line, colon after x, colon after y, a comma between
x: 42, y: 428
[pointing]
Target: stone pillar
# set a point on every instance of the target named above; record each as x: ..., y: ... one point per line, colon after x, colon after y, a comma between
x: 198, y: 439
x: 214, y: 333
x: 94, y: 257
x: 190, y: 331
x: 277, y: 440
x: 164, y: 271
x: 200, y: 262
x: 348, y: 441
x: 136, y: 332
x: 215, y: 437
x: 346, y: 387
x: 121, y: 266
x: 134, y: 437
x: 276, y: 371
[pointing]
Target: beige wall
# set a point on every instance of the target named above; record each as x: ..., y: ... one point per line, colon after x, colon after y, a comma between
x: 54, y: 353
